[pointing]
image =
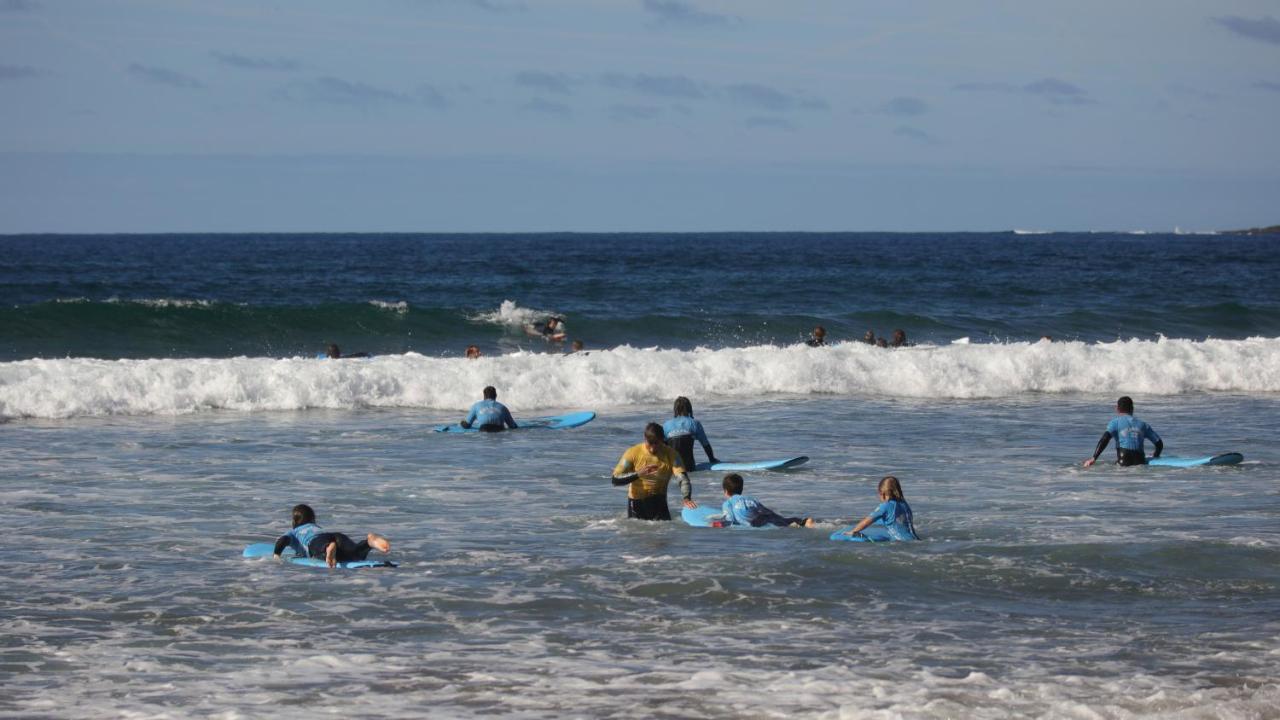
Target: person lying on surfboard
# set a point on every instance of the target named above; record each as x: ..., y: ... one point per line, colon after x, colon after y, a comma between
x: 552, y: 329
x: 893, y: 512
x: 681, y: 430
x: 308, y: 540
x: 742, y: 509
x: 1130, y: 434
x: 333, y: 352
x: 645, y: 470
x: 489, y: 415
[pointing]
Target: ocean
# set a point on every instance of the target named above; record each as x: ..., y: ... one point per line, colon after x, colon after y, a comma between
x: 162, y: 406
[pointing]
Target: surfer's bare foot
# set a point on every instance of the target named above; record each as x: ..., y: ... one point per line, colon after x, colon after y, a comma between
x: 379, y: 543
x: 331, y: 554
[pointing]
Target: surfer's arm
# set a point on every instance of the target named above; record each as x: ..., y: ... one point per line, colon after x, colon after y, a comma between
x: 471, y: 417
x: 1102, y: 445
x: 686, y: 491
x: 625, y: 478
x: 862, y: 525
x: 1159, y: 448
x: 281, y: 544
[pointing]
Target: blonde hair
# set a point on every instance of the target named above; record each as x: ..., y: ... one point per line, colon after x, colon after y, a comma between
x: 889, y: 485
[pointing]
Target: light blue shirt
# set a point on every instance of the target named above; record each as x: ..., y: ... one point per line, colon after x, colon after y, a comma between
x: 301, y: 536
x: 742, y: 510
x: 682, y: 425
x: 895, y: 517
x: 490, y: 412
x: 1129, y: 432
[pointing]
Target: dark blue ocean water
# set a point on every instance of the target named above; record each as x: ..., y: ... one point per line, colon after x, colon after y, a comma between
x: 161, y: 407
x: 285, y: 295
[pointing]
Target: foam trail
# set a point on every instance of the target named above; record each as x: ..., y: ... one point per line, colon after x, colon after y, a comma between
x: 630, y: 376
x: 509, y: 314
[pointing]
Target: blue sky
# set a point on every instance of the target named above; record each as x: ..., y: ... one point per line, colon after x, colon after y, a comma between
x: 516, y: 115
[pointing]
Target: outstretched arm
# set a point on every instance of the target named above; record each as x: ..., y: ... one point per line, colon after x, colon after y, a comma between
x: 1102, y: 445
x: 686, y: 491
x: 862, y: 525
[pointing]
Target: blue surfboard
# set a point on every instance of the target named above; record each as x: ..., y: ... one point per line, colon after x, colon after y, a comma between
x: 555, y: 422
x: 1232, y: 458
x: 703, y: 516
x: 261, y: 550
x: 872, y: 534
x: 779, y: 464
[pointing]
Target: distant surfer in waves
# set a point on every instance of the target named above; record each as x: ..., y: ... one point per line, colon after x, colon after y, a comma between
x: 1130, y: 434
x: 551, y: 329
x: 333, y: 352
x: 473, y: 352
x: 870, y: 337
x: 682, y: 429
x: 818, y: 338
x: 489, y: 415
x: 646, y: 470
x: 309, y: 540
x: 899, y: 339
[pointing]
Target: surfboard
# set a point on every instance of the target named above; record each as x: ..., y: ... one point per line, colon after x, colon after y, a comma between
x: 261, y: 550
x: 704, y: 516
x: 554, y: 422
x: 873, y: 534
x: 779, y: 464
x: 1232, y: 458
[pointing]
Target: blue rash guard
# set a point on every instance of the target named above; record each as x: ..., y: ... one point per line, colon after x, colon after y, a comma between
x: 895, y: 517
x: 685, y: 425
x: 490, y: 413
x: 1129, y: 433
x: 299, y: 539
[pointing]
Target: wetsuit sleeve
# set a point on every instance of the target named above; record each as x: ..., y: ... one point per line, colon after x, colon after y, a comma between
x: 471, y: 417
x: 701, y: 435
x: 1102, y: 444
x: 507, y: 419
x: 281, y: 543
x: 625, y: 471
x: 882, y: 512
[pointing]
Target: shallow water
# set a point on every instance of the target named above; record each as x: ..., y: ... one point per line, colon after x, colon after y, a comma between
x: 1041, y: 588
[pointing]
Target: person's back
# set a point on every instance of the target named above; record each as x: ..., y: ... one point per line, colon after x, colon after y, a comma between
x: 895, y: 516
x: 1130, y: 434
x: 743, y: 510
x: 489, y: 415
x: 682, y: 429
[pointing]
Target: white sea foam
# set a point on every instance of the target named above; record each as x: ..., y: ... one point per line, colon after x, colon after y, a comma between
x: 400, y: 307
x: 161, y: 302
x: 631, y: 376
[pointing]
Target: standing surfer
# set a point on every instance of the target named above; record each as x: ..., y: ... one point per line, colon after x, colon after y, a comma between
x: 646, y: 469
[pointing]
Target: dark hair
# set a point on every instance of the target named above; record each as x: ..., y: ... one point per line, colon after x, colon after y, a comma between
x: 891, y: 484
x: 333, y: 351
x: 732, y: 484
x: 683, y: 407
x: 819, y: 330
x: 1125, y: 405
x: 303, y: 514
x: 653, y: 433
x: 490, y: 393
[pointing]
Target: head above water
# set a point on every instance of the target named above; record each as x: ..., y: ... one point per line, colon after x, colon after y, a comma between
x: 819, y: 332
x: 870, y: 337
x: 654, y: 436
x: 890, y: 488
x: 732, y: 484
x: 490, y: 393
x: 473, y: 351
x: 1125, y: 405
x: 899, y: 337
x: 577, y: 345
x: 303, y: 514
x: 333, y: 351
x: 683, y: 407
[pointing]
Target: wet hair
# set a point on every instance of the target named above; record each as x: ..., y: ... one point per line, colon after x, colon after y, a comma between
x: 333, y: 351
x: 732, y: 484
x: 899, y: 336
x: 473, y: 351
x: 490, y: 393
x: 303, y: 514
x: 820, y: 331
x: 654, y: 434
x: 683, y: 407
x: 889, y: 484
x: 1125, y: 405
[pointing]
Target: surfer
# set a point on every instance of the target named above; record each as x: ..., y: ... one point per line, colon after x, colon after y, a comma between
x: 577, y: 346
x: 742, y: 509
x: 1130, y: 434
x: 308, y: 540
x: 335, y: 353
x: 870, y: 337
x: 893, y: 512
x: 682, y: 429
x: 552, y: 329
x: 818, y: 338
x: 646, y: 469
x: 473, y: 352
x: 899, y: 339
x: 489, y: 415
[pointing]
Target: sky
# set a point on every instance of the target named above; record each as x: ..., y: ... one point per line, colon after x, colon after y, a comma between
x: 638, y: 115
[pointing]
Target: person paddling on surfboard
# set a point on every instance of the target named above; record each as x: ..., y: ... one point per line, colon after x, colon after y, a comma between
x: 645, y: 470
x: 552, y: 329
x: 893, y: 513
x: 681, y: 430
x: 308, y: 540
x: 1130, y: 434
x: 489, y: 415
x: 739, y: 509
x: 333, y: 352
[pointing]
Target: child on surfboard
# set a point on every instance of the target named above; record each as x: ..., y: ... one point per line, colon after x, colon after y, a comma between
x: 739, y: 509
x: 308, y: 540
x: 893, y: 513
